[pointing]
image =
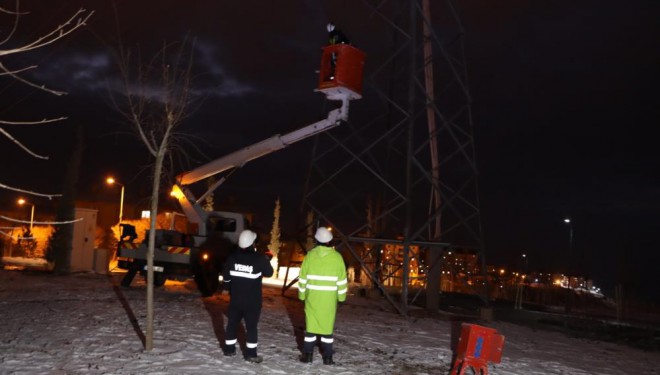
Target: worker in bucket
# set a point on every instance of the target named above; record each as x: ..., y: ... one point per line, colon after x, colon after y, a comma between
x: 335, y: 36
x: 321, y: 285
x: 242, y: 275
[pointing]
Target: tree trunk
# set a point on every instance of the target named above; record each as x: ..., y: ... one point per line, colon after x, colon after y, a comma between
x: 62, y: 240
x: 155, y: 189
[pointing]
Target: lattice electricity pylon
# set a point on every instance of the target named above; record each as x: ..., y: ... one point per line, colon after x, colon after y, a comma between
x: 402, y: 171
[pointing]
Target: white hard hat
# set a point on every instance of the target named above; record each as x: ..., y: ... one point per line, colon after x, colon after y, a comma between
x: 246, y: 239
x: 323, y: 235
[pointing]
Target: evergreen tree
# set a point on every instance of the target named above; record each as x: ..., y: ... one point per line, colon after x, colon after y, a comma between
x: 275, y: 243
x: 208, y: 201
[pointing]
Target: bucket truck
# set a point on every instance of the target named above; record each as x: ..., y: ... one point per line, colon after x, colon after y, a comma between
x: 202, y: 250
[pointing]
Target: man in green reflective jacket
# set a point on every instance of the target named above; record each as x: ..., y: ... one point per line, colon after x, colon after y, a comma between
x: 322, y: 283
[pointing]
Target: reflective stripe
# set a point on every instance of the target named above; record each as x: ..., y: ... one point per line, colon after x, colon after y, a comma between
x: 178, y: 250
x: 321, y: 287
x: 301, y: 290
x: 343, y: 291
x: 310, y: 338
x: 231, y: 342
x: 342, y: 282
x: 302, y: 280
x: 245, y: 274
x: 327, y: 340
x: 251, y: 345
x: 322, y: 278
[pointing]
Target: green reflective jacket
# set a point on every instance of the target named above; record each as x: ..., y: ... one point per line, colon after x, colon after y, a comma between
x: 322, y: 283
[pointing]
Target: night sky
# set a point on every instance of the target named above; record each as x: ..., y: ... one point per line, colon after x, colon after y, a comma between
x: 566, y: 111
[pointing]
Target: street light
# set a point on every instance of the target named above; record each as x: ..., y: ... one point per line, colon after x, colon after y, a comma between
x: 21, y: 202
x: 570, y: 235
x: 520, y: 286
x: 569, y: 294
x: 111, y: 181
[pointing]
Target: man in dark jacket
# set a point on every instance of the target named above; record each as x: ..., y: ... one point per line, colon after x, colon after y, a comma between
x: 242, y: 276
x: 335, y: 36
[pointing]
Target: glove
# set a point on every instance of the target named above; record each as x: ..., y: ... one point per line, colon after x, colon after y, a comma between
x: 268, y: 254
x: 225, y: 286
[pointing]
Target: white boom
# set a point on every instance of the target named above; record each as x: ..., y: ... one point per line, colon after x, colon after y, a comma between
x: 191, y: 205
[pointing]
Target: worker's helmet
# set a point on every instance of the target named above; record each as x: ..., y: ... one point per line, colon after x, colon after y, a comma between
x: 246, y: 239
x: 323, y: 235
x: 330, y: 26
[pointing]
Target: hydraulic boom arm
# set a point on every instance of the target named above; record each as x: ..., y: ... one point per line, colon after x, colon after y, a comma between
x: 191, y: 206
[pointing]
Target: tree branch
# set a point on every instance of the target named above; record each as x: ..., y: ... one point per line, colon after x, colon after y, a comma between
x: 39, y: 222
x: 25, y: 148
x: 15, y: 26
x: 80, y: 19
x: 33, y: 193
x: 16, y: 71
x: 20, y: 79
x: 75, y: 22
x: 38, y: 122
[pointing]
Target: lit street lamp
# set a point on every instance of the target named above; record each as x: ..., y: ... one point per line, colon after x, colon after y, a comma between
x: 570, y: 241
x: 520, y: 285
x: 570, y: 233
x: 569, y: 294
x: 21, y: 202
x: 111, y: 181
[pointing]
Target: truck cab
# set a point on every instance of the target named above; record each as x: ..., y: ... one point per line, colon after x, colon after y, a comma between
x: 181, y: 255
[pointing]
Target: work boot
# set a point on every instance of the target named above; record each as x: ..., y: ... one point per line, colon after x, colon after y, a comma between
x: 229, y: 351
x: 255, y: 359
x: 328, y: 360
x: 306, y: 358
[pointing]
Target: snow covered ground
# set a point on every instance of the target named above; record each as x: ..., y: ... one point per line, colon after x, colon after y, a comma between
x: 85, y: 324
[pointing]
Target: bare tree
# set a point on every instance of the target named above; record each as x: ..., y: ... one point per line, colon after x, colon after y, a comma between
x: 155, y: 102
x: 11, y: 18
x: 76, y: 21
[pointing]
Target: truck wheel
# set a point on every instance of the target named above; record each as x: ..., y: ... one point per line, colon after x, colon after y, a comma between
x: 159, y: 279
x: 212, y: 281
x: 207, y: 282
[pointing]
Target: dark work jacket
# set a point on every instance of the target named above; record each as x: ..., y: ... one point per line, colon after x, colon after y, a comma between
x: 337, y: 37
x: 242, y: 275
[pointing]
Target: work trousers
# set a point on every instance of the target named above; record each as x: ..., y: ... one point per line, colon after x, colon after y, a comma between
x: 251, y: 318
x: 326, y: 344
